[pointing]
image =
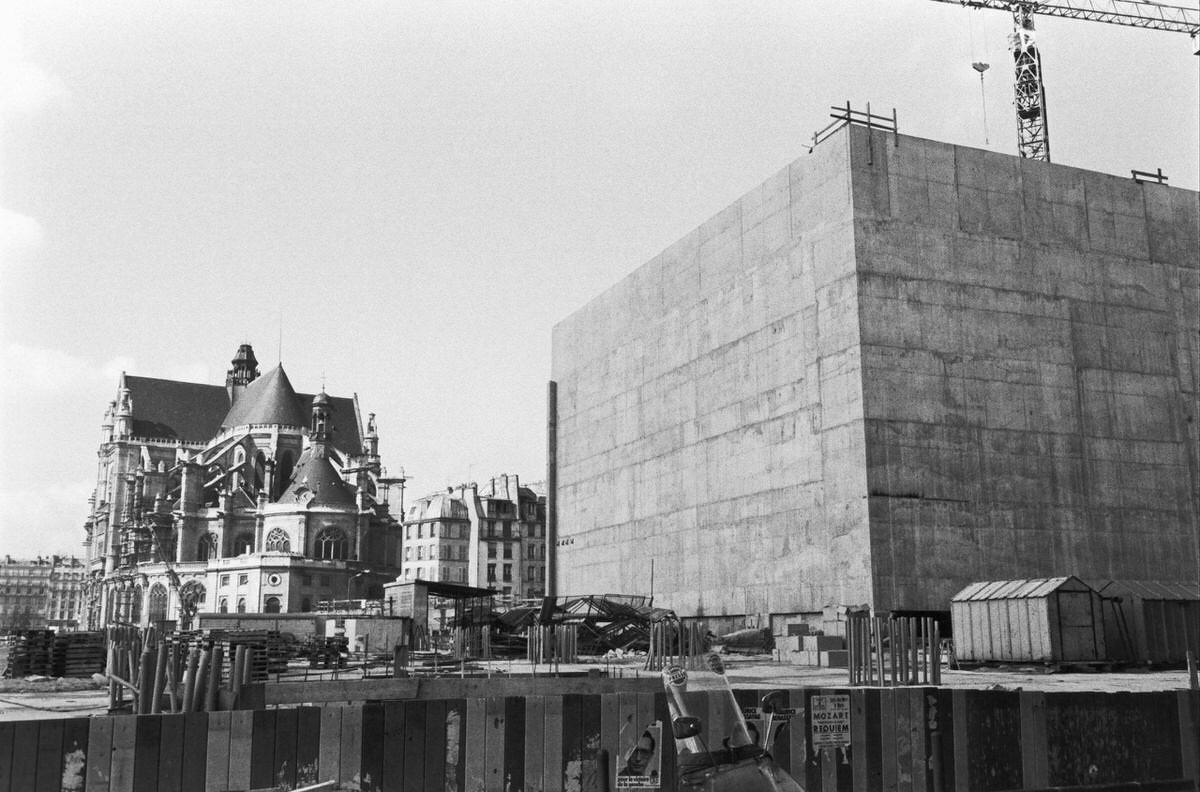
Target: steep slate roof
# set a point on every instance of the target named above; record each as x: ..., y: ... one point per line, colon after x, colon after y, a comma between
x: 168, y: 409
x: 343, y: 419
x: 315, y: 473
x: 270, y: 399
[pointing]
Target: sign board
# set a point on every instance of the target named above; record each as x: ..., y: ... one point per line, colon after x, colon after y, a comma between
x: 830, y: 721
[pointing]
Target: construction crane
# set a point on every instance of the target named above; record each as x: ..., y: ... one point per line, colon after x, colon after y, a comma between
x: 1033, y: 137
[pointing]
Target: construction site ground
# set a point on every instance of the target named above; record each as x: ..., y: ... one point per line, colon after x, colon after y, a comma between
x: 36, y: 698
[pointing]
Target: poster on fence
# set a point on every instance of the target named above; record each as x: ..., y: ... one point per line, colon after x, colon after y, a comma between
x: 830, y: 721
x: 641, y: 766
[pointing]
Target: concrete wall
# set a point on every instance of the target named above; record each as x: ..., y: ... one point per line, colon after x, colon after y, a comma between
x: 710, y: 412
x: 1029, y: 347
x: 888, y: 371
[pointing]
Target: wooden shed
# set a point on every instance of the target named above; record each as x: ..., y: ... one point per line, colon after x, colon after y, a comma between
x: 1052, y: 620
x: 1150, y: 621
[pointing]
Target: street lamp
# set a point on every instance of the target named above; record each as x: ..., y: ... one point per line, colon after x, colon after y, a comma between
x: 350, y: 580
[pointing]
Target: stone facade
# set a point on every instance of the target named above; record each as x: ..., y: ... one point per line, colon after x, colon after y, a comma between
x: 895, y: 367
x: 488, y: 536
x: 41, y: 593
x: 248, y: 498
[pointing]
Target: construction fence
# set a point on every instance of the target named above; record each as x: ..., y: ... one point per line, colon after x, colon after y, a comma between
x: 894, y: 738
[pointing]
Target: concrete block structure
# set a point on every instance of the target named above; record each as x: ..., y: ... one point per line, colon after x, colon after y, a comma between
x: 895, y: 367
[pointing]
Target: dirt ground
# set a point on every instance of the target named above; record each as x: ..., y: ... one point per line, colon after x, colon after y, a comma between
x: 66, y: 698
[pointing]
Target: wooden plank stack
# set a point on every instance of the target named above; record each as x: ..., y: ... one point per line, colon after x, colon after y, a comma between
x: 31, y: 652
x: 78, y: 654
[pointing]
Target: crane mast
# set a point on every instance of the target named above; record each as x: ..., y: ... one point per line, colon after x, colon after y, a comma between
x: 1033, y: 136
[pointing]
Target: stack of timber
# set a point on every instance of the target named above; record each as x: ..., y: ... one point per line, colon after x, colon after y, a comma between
x: 78, y: 654
x: 31, y: 652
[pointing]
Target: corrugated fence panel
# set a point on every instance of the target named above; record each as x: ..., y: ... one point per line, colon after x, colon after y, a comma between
x: 917, y: 739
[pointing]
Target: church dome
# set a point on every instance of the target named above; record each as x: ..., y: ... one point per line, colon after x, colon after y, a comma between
x: 316, y: 474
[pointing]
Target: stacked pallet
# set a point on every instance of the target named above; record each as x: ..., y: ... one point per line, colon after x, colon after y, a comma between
x: 79, y: 654
x: 258, y: 648
x: 31, y: 653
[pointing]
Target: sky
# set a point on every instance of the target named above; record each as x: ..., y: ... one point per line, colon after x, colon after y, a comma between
x: 400, y: 200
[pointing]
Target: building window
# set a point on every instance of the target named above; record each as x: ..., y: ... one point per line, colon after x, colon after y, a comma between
x: 508, y: 573
x: 224, y: 607
x: 224, y: 580
x: 420, y: 532
x: 243, y: 578
x: 206, y: 548
x: 408, y: 554
x: 491, y: 549
x: 271, y: 605
x: 244, y: 543
x: 421, y: 553
x: 277, y: 541
x: 507, y: 550
x: 306, y: 580
x: 324, y: 580
x: 433, y: 530
x: 241, y: 605
x: 331, y: 545
x: 157, y: 604
x: 491, y: 573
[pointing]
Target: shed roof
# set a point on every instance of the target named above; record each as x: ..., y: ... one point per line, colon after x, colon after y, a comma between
x: 1148, y: 589
x: 1028, y: 588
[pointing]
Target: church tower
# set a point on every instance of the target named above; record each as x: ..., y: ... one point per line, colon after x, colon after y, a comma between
x: 243, y: 372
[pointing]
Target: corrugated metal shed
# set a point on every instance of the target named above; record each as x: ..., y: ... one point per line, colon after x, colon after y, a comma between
x: 1150, y: 621
x: 1029, y: 620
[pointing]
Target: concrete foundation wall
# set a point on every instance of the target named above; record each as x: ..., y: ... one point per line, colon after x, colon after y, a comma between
x: 1029, y: 347
x: 710, y: 412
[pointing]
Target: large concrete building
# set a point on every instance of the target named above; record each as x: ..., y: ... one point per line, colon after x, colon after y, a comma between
x: 895, y: 367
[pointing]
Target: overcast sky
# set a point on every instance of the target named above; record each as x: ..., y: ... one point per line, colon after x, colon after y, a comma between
x: 419, y: 191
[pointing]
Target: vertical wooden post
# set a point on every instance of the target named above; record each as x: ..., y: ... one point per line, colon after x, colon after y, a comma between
x: 937, y: 653
x: 160, y: 679
x: 913, y: 640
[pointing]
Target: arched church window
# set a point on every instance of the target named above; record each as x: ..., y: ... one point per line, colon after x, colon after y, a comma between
x: 224, y: 608
x: 135, y: 605
x: 239, y: 456
x: 241, y: 606
x: 206, y: 548
x: 260, y: 471
x: 283, y: 473
x: 271, y: 605
x: 331, y: 545
x: 243, y: 543
x: 157, y: 604
x: 277, y: 541
x: 191, y: 600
